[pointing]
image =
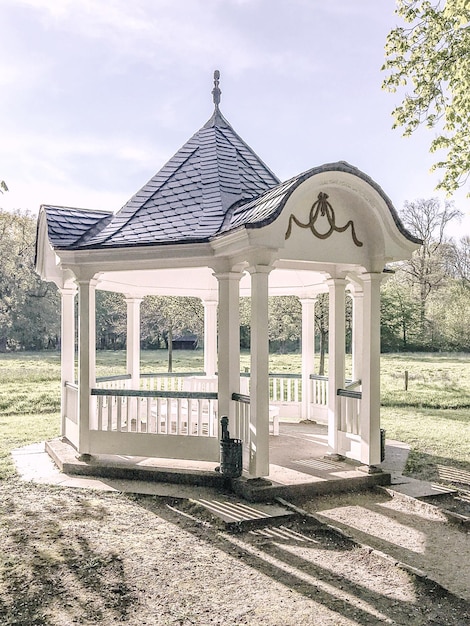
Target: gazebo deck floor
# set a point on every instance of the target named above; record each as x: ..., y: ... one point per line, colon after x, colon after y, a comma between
x: 299, y: 466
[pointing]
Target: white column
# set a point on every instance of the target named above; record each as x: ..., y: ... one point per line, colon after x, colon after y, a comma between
x: 228, y: 343
x: 370, y: 403
x: 336, y: 355
x: 67, y: 343
x: 133, y: 340
x: 86, y: 360
x: 259, y: 389
x: 210, y: 337
x: 308, y: 353
x: 357, y: 328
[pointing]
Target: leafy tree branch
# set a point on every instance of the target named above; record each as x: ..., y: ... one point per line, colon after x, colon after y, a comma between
x: 430, y: 59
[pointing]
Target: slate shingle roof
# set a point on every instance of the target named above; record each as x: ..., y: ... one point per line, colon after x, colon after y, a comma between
x: 215, y: 183
x: 186, y: 201
x: 66, y: 226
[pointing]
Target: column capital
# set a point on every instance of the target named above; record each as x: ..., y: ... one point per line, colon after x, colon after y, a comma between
x: 133, y: 299
x: 308, y: 300
x: 92, y: 281
x: 68, y: 290
x: 333, y: 282
x: 356, y: 294
x: 259, y: 269
x: 373, y: 276
x: 228, y: 275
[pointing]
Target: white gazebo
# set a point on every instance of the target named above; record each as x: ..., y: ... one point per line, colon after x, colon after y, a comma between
x: 217, y: 224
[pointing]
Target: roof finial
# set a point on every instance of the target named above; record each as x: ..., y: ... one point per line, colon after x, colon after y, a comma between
x: 216, y: 91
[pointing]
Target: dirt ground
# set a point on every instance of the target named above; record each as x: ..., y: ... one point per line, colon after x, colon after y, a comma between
x: 406, y: 530
x: 80, y: 557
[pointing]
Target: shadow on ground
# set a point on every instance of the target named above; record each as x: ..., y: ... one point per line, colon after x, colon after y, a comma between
x: 328, y: 568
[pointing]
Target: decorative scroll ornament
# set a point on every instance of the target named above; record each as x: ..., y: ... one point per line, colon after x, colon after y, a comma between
x: 324, y: 209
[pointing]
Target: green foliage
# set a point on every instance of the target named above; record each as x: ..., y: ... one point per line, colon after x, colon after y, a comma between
x: 285, y: 322
x: 428, y: 267
x: 419, y: 301
x: 459, y: 259
x: 430, y: 57
x: 435, y: 381
x: 29, y: 383
x: 449, y: 317
x: 165, y: 316
x: 437, y: 438
x: 111, y: 324
x: 29, y: 309
x: 21, y: 430
x: 399, y: 316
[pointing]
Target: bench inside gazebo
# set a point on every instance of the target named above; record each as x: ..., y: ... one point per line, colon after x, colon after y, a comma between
x: 217, y: 224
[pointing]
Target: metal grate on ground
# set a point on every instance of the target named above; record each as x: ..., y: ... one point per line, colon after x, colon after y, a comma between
x: 283, y: 534
x: 453, y: 475
x: 242, y: 516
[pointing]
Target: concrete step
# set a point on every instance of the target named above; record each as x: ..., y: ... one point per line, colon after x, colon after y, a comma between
x: 420, y: 489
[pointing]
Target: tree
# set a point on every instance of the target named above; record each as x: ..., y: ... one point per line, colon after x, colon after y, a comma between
x: 321, y: 325
x: 3, y: 186
x: 450, y: 317
x: 460, y: 260
x: 166, y: 315
x: 29, y: 308
x: 427, y: 268
x: 285, y: 322
x: 432, y: 57
x: 111, y: 320
x: 399, y: 315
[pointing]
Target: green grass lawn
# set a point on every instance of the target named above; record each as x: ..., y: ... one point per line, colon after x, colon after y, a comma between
x: 433, y: 415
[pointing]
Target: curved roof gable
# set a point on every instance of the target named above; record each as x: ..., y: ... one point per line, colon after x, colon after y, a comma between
x: 265, y: 209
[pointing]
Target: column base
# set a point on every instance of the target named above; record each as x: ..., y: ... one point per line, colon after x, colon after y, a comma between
x: 259, y: 482
x: 85, y: 458
x: 370, y: 469
x: 334, y: 456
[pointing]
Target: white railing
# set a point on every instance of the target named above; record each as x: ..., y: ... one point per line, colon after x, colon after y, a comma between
x: 156, y: 412
x: 350, y: 407
x: 282, y: 387
x: 285, y: 388
x: 150, y: 409
x: 71, y: 402
x: 121, y: 381
x: 69, y: 428
x: 319, y: 390
x: 288, y: 388
x: 165, y: 381
x: 242, y: 417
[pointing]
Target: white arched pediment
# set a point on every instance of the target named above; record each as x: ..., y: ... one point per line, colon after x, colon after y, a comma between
x: 336, y: 217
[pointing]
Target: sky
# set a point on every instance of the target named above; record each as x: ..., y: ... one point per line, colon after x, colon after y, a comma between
x: 96, y: 95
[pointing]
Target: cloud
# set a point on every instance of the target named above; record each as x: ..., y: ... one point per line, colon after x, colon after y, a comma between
x: 164, y: 33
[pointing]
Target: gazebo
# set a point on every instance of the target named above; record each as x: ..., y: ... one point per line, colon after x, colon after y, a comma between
x: 217, y: 224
